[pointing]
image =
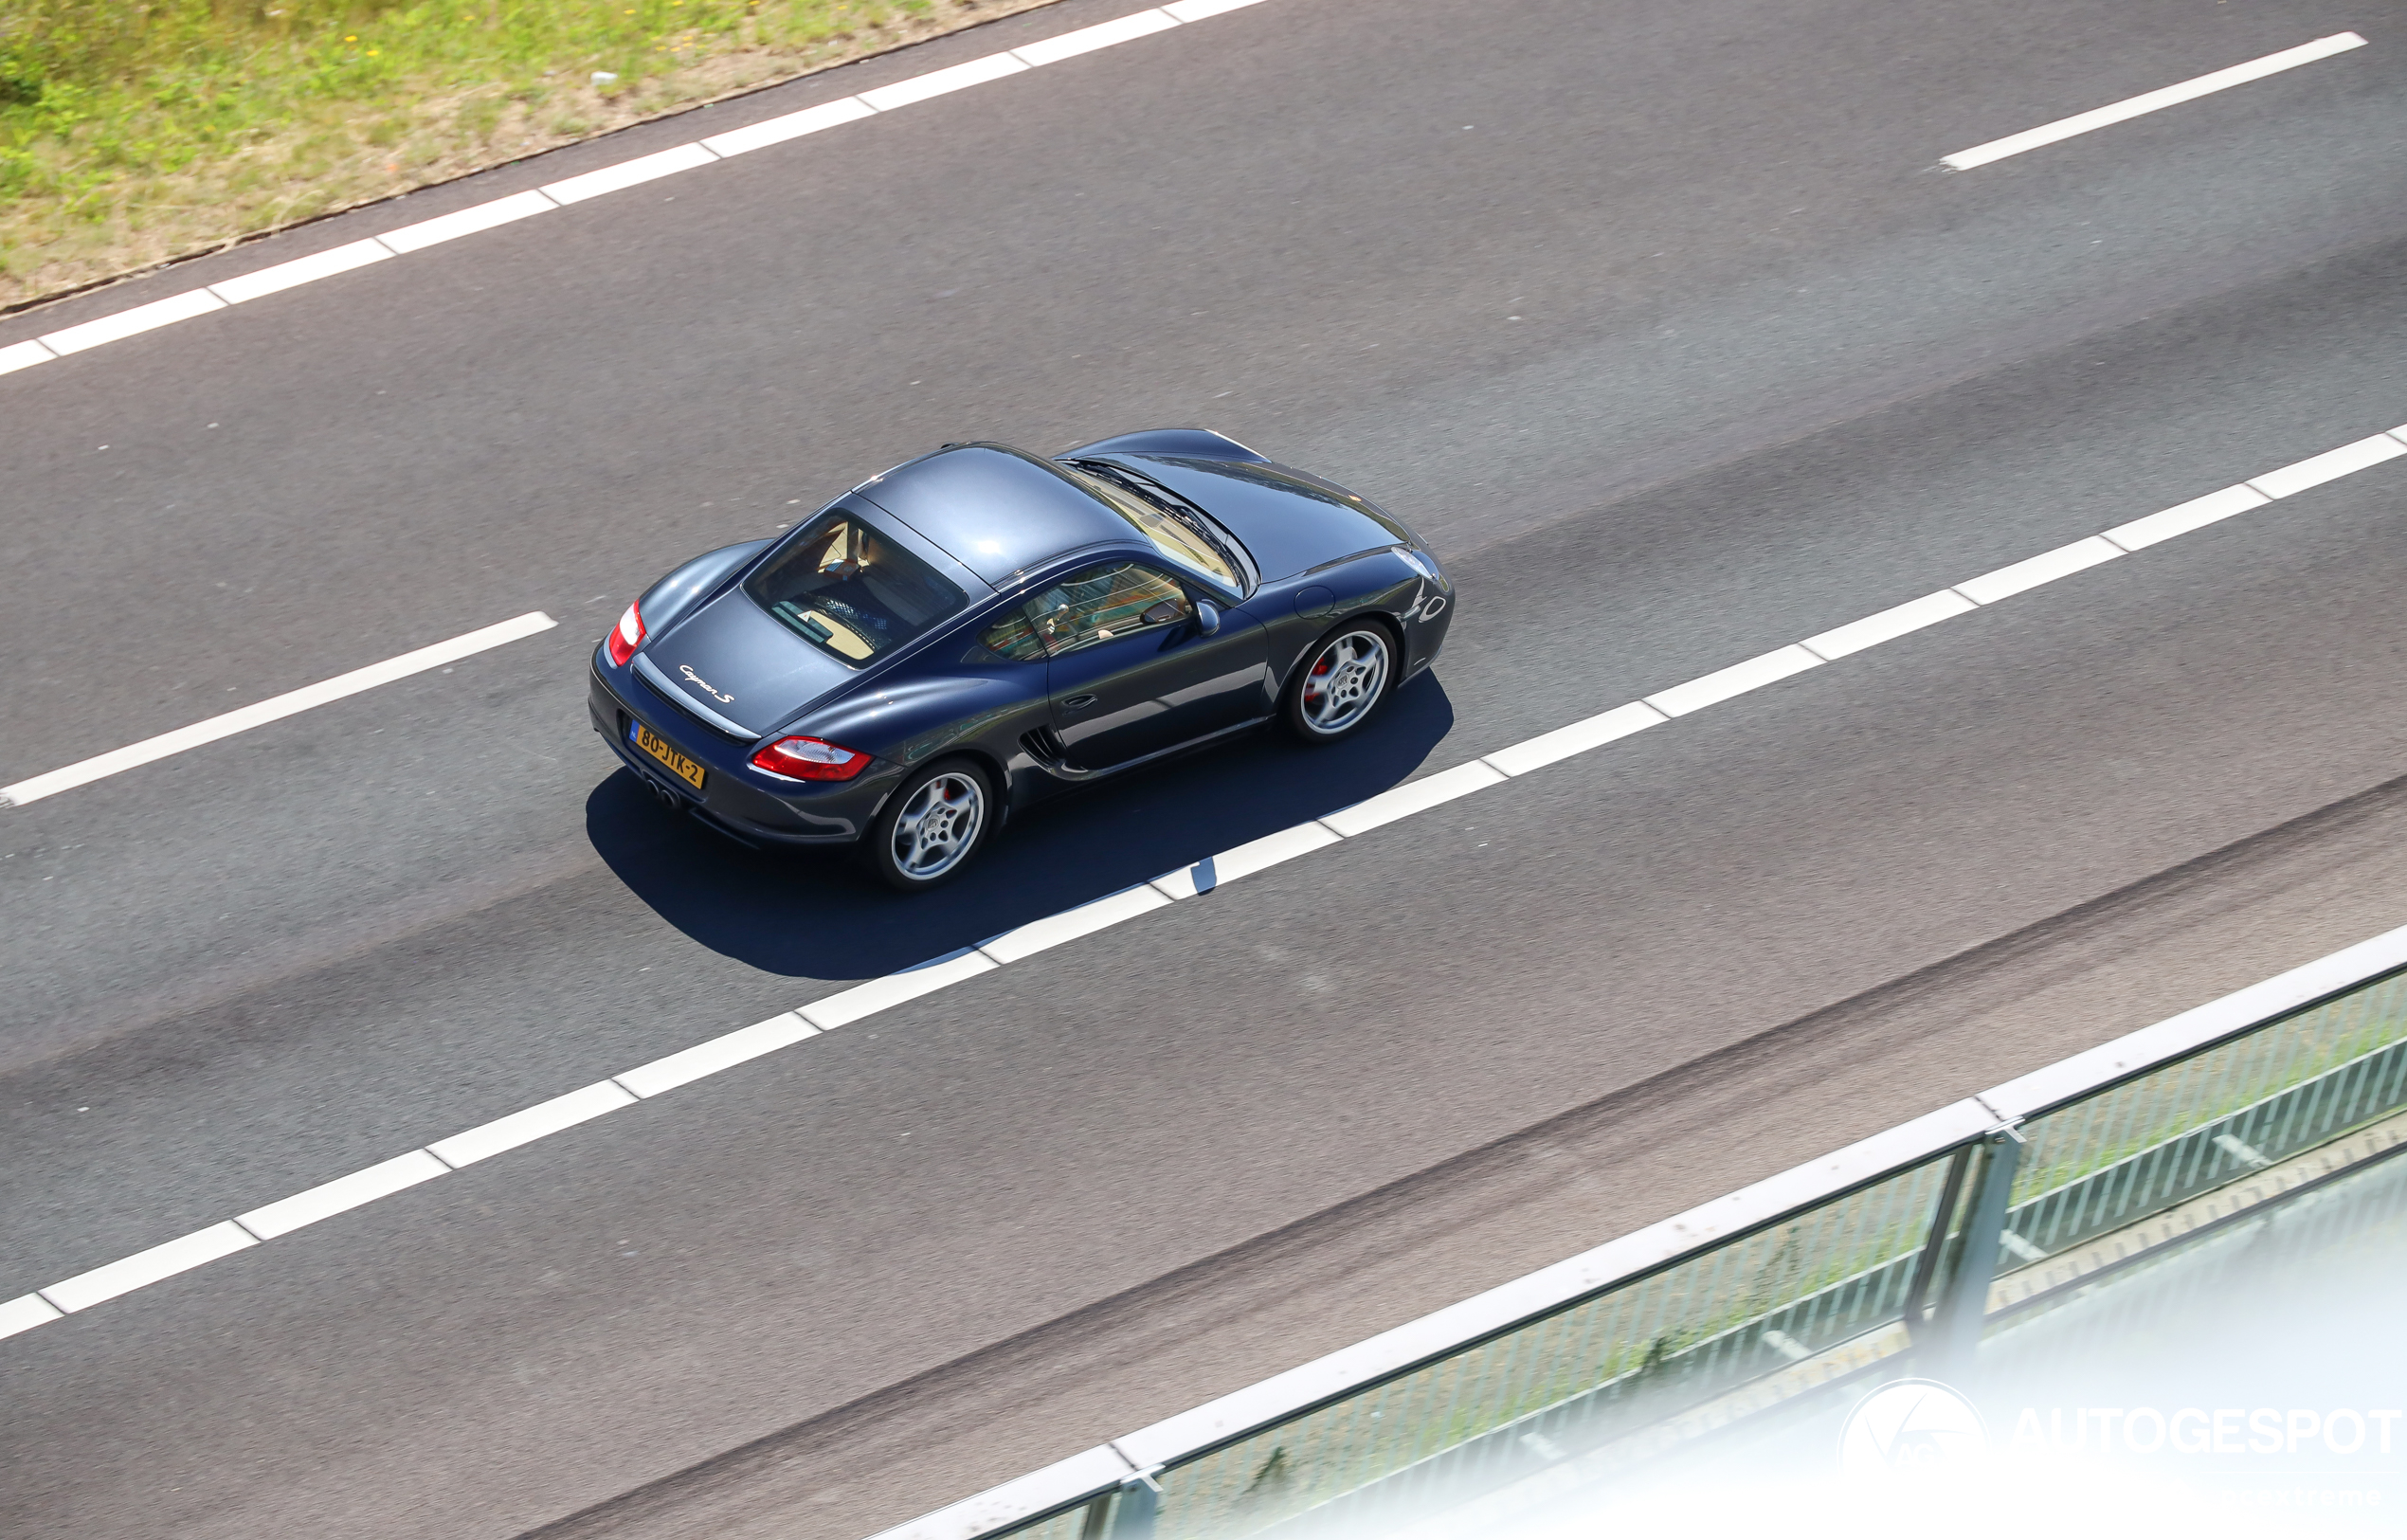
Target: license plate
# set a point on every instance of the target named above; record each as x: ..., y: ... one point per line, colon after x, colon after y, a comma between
x: 662, y: 749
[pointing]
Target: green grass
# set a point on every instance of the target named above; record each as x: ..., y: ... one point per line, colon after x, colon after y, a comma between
x: 131, y: 130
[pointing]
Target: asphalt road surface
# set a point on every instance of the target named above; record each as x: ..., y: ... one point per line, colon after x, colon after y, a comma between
x: 1658, y: 319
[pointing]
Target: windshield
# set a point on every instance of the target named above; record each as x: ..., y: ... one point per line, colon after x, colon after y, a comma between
x: 847, y: 590
x: 1181, y: 537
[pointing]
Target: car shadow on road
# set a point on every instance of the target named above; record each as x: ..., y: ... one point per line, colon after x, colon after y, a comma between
x: 813, y: 915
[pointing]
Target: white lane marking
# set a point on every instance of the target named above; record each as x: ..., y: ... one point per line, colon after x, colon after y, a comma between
x: 470, y: 221
x: 2330, y: 466
x: 25, y: 1312
x: 1088, y: 39
x: 1245, y: 859
x: 1414, y: 797
x: 276, y: 708
x: 24, y: 355
x: 2197, y: 513
x: 285, y: 275
x: 125, y: 323
x: 938, y: 82
x: 328, y: 1199
x: 559, y: 194
x: 877, y: 994
x: 487, y: 1140
x: 1887, y: 625
x: 627, y: 174
x: 1578, y: 739
x: 1086, y: 919
x: 128, y: 1274
x: 725, y: 1052
x: 1195, y: 10
x: 829, y: 1012
x: 2045, y: 567
x: 2222, y: 80
x: 793, y: 125
x: 1737, y: 680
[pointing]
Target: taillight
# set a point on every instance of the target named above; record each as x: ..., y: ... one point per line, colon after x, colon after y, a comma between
x: 808, y: 759
x: 625, y: 636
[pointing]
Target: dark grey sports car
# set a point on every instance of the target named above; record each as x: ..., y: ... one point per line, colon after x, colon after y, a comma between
x: 980, y: 628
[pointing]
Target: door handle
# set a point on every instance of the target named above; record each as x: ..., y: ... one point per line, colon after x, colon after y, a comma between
x: 1077, y: 702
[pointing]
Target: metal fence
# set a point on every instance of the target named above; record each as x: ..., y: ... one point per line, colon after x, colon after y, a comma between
x: 1903, y: 1234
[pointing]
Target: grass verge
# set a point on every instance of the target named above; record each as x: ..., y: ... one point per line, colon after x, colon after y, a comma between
x: 133, y: 132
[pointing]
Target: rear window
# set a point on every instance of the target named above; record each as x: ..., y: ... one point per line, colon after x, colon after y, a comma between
x: 848, y: 590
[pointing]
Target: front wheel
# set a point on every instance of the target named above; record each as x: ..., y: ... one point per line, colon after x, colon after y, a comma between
x: 931, y: 827
x: 1343, y: 678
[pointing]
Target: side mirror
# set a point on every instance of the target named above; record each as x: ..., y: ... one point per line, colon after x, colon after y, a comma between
x: 1207, y: 617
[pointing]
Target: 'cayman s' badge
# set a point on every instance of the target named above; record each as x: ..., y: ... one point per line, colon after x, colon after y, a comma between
x: 702, y: 684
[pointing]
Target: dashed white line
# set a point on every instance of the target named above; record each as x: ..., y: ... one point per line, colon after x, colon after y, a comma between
x: 128, y: 1274
x: 526, y: 1126
x: 2222, y: 80
x: 1088, y: 39
x: 2044, y: 567
x: 1204, y: 876
x: 1887, y: 625
x: 341, y: 1195
x: 627, y: 174
x: 793, y: 125
x: 472, y: 221
x: 276, y: 708
x: 1737, y: 680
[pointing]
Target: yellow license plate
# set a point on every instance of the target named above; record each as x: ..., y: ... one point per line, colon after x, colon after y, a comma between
x: 660, y: 749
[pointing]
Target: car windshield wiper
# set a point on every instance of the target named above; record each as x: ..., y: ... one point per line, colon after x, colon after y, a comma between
x: 1188, y: 516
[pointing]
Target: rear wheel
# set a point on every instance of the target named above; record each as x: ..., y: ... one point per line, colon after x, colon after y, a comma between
x: 1344, y: 680
x: 932, y: 826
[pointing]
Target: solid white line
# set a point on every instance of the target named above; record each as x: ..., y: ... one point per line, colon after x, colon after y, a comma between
x: 725, y: 1052
x: 1737, y: 680
x: 2197, y: 513
x: 2222, y: 80
x: 1245, y: 859
x: 128, y: 1274
x: 328, y: 1199
x: 24, y: 355
x: 2330, y: 466
x: 1086, y: 919
x: 125, y: 323
x: 25, y: 1312
x: 627, y: 174
x: 1581, y: 736
x: 558, y: 195
x: 1413, y: 797
x: 829, y: 1012
x: 2045, y: 567
x: 274, y: 709
x: 793, y: 125
x: 285, y: 275
x: 1088, y: 39
x: 877, y: 994
x: 937, y: 83
x: 1887, y: 625
x: 487, y: 1140
x: 483, y: 216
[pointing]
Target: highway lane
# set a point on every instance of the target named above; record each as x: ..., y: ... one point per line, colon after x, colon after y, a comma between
x: 472, y: 920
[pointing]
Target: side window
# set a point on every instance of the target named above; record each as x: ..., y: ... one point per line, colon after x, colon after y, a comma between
x: 1015, y: 636
x: 1100, y: 603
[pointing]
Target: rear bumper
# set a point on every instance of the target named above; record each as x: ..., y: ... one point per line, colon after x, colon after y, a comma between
x: 735, y: 800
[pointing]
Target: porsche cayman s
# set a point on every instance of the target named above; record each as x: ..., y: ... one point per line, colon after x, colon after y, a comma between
x: 981, y: 627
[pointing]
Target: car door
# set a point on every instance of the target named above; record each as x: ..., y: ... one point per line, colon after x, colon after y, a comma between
x: 1130, y: 672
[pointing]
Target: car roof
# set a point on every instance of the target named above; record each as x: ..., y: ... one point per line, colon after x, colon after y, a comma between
x: 996, y: 510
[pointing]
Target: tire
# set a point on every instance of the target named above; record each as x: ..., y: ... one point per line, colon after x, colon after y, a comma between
x: 931, y: 827
x: 1342, y: 682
